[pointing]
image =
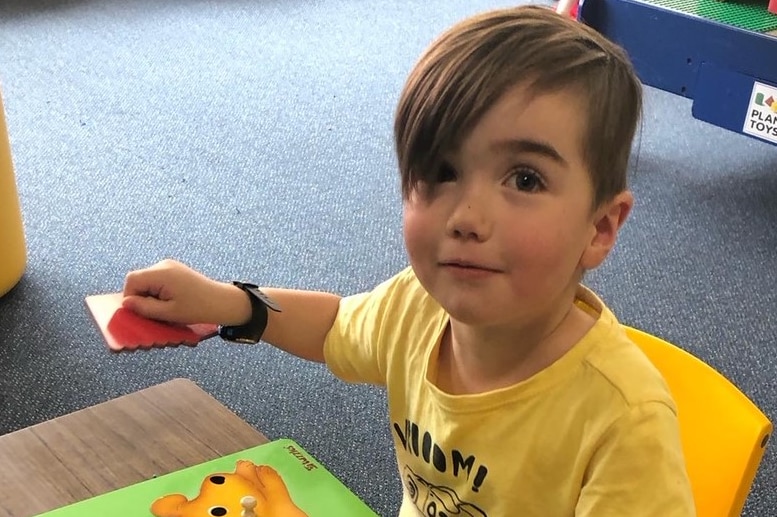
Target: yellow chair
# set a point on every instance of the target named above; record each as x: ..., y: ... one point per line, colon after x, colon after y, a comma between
x: 13, y: 252
x: 723, y: 433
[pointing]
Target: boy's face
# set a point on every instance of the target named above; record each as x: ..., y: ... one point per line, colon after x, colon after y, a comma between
x: 506, y: 233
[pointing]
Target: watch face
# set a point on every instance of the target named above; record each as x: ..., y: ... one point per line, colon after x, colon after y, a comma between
x: 245, y: 341
x: 237, y: 335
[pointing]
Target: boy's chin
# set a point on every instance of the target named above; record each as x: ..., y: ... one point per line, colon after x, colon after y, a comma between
x: 470, y: 313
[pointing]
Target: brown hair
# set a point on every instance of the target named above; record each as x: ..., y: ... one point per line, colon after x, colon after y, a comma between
x: 470, y: 66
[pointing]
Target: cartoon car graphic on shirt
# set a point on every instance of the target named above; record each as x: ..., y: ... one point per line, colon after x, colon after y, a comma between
x: 437, y: 501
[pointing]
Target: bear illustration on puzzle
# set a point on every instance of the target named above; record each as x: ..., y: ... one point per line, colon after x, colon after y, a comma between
x: 250, y: 491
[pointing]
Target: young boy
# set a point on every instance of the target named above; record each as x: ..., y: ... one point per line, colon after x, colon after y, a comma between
x: 513, y: 390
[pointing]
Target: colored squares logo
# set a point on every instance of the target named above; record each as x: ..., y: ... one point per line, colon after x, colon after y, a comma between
x: 762, y: 100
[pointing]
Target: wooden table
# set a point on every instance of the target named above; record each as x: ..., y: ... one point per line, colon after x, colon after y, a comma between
x: 116, y: 444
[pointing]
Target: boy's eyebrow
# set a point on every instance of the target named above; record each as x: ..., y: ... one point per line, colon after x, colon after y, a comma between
x: 524, y: 145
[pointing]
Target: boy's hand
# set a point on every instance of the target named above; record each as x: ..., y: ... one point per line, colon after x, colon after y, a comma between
x: 170, y: 291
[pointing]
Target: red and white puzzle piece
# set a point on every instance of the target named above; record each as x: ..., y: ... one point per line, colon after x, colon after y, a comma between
x: 126, y: 330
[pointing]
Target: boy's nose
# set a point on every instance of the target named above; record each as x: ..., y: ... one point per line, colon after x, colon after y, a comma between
x: 470, y: 219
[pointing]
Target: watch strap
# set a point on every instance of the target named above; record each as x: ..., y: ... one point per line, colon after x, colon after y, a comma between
x: 250, y: 332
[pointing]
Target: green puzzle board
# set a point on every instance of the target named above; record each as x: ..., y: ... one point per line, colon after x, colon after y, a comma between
x: 751, y: 15
x: 315, y: 491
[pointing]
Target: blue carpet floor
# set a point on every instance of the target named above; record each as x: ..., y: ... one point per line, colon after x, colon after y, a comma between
x: 253, y: 139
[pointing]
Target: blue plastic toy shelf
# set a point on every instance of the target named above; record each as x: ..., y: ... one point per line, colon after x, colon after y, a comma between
x: 729, y: 72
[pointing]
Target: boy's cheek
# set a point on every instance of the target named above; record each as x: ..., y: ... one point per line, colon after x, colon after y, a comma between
x: 418, y: 232
x: 415, y: 241
x: 413, y: 220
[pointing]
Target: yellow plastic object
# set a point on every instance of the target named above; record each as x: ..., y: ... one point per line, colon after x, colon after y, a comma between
x: 13, y: 251
x: 723, y: 433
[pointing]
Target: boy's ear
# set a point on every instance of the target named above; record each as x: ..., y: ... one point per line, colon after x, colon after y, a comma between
x: 607, y: 222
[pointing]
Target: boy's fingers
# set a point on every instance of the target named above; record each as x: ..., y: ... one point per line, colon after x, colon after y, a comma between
x: 134, y: 284
x: 148, y: 307
x: 144, y: 282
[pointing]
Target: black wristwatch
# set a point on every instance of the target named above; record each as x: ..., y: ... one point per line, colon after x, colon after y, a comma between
x: 251, y: 332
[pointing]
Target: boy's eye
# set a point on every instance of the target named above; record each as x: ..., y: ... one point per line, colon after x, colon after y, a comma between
x: 526, y: 180
x: 445, y: 173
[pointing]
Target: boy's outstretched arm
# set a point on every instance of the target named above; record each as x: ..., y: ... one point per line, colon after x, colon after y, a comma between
x: 173, y: 292
x: 305, y: 320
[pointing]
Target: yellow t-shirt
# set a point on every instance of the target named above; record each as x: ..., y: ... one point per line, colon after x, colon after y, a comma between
x: 595, y: 434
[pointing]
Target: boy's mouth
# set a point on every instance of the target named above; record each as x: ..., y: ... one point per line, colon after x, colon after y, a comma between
x: 468, y: 265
